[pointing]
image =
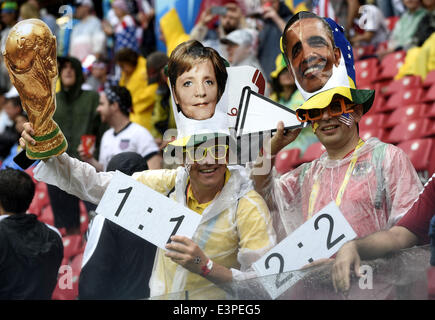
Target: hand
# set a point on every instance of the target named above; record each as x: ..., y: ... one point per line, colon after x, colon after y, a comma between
x: 282, y: 139
x: 206, y: 17
x: 346, y: 257
x: 317, y: 262
x: 84, y: 155
x: 184, y: 252
x: 26, y: 135
x: 269, y: 13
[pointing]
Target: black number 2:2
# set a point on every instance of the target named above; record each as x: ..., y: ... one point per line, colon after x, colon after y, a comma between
x: 329, y: 243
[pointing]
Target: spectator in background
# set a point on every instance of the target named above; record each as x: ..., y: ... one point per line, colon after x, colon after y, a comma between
x: 374, y: 28
x: 285, y: 92
x: 4, y: 118
x: 162, y: 118
x: 76, y: 114
x: 241, y: 47
x: 391, y: 8
x: 426, y: 27
x: 28, y: 11
x: 405, y: 28
x: 420, y: 59
x: 344, y: 12
x: 98, y: 76
x: 123, y: 135
x: 275, y: 14
x: 87, y: 36
x: 115, y: 253
x: 13, y: 109
x: 9, y: 16
x: 134, y: 78
x: 146, y: 19
x: 230, y: 19
x: 48, y: 18
x: 8, y: 162
x: 126, y: 32
x: 30, y: 251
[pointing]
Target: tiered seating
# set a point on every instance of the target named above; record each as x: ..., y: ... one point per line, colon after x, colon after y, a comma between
x: 366, y: 71
x: 287, y: 160
x: 313, y: 152
x: 391, y: 64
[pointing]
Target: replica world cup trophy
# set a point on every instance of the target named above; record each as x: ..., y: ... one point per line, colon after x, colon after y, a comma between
x: 30, y: 57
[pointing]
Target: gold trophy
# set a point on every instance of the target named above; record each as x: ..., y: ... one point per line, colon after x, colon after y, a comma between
x: 30, y: 57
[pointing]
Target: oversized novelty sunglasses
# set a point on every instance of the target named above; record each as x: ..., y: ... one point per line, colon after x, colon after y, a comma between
x: 335, y: 108
x: 218, y: 152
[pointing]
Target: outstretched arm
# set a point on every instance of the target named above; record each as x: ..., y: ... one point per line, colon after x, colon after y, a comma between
x: 373, y: 246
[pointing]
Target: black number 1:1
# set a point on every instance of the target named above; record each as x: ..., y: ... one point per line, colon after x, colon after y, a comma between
x: 127, y: 193
x: 179, y: 220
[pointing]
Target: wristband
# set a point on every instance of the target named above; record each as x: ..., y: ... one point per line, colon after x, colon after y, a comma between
x: 207, y: 268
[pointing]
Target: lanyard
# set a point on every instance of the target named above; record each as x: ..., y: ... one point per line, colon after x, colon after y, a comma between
x: 316, y: 186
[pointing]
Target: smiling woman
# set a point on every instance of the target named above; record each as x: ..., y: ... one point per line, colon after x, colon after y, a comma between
x: 198, y: 77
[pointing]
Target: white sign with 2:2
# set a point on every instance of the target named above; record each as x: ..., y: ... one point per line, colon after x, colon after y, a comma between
x: 319, y: 237
x: 145, y: 212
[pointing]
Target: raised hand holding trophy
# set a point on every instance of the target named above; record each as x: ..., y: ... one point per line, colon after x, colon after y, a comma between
x: 30, y: 57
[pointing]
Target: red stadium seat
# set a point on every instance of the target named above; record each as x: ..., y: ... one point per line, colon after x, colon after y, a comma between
x: 72, y: 245
x: 404, y: 98
x: 363, y: 51
x: 421, y: 153
x: 408, y: 82
x: 313, y: 152
x: 67, y: 287
x: 287, y: 160
x: 379, y: 104
x: 414, y: 129
x: 391, y: 64
x: 429, y: 95
x: 373, y: 132
x: 366, y: 71
x: 47, y: 215
x: 430, y: 79
x: 406, y: 114
x: 391, y: 22
x: 372, y: 121
x: 84, y: 218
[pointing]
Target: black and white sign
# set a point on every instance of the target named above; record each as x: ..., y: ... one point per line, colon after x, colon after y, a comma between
x: 145, y: 212
x: 319, y: 237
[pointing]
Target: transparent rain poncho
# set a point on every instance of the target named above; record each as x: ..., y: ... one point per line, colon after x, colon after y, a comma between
x: 381, y: 188
x: 234, y: 232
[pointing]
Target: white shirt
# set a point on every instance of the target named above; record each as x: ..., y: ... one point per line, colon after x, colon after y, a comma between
x: 372, y: 19
x: 133, y: 138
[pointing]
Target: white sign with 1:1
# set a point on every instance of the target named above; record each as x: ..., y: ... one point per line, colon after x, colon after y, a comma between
x: 145, y: 212
x: 319, y: 237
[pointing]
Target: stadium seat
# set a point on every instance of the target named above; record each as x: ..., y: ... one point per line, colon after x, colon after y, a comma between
x: 363, y: 51
x: 421, y: 152
x: 379, y: 104
x: 313, y: 152
x: 372, y: 121
x: 408, y: 82
x: 287, y: 160
x: 67, y: 287
x: 414, y: 129
x: 84, y: 218
x: 372, y: 132
x: 366, y: 71
x: 429, y: 95
x: 430, y: 79
x: 406, y: 114
x: 72, y: 245
x: 391, y: 22
x: 404, y: 98
x: 391, y: 64
x: 46, y: 215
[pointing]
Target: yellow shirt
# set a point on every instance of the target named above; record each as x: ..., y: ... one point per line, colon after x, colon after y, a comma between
x: 243, y: 228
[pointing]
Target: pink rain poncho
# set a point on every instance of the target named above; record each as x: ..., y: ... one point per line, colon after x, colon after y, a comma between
x: 381, y: 188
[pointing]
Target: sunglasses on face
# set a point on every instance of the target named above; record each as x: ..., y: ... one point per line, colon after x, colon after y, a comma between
x: 218, y: 152
x: 335, y: 109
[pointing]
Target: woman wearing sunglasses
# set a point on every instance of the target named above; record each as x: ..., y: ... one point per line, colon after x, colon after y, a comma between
x: 235, y: 229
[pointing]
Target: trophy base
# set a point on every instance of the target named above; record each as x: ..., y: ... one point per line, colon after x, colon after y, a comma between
x: 49, y: 145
